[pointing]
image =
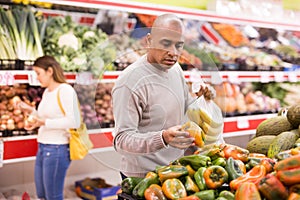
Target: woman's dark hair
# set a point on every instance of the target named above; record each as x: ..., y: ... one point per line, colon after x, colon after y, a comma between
x: 45, y: 62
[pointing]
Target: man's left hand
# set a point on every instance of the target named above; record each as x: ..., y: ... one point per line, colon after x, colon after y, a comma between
x: 208, y: 92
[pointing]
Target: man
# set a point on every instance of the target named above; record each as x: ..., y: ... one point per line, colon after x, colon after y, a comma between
x: 150, y: 99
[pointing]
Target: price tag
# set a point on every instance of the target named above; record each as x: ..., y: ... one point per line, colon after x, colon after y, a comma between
x: 32, y: 79
x: 195, y: 76
x: 278, y: 76
x: 216, y: 78
x: 233, y: 78
x: 84, y: 78
x: 1, y: 153
x: 292, y: 77
x: 265, y: 77
x: 243, y: 123
x: 7, y: 78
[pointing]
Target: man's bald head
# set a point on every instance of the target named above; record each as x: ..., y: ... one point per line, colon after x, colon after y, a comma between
x: 168, y: 21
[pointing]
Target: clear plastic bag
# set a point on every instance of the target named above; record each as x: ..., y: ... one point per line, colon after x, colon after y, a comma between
x: 208, y: 116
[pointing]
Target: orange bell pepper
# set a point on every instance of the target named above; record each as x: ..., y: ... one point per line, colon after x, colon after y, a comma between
x: 154, y: 192
x: 235, y: 152
x: 242, y: 166
x: 257, y: 155
x: 254, y: 175
x: 174, y: 189
x: 191, y: 197
x: 215, y: 176
x: 269, y: 164
x: 288, y: 163
x: 294, y: 192
x: 247, y: 191
x: 294, y: 196
x: 289, y: 176
x: 271, y: 188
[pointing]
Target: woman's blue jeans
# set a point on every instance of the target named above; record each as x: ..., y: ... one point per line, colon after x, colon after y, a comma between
x: 52, y: 163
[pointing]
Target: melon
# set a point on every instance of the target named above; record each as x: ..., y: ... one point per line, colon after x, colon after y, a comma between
x: 273, y: 126
x: 293, y: 115
x: 260, y: 144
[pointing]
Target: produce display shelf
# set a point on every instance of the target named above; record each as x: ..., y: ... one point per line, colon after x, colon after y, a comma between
x: 190, y: 13
x: 20, y: 76
x: 22, y: 148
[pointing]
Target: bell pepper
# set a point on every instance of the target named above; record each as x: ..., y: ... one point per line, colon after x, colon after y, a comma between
x: 252, y: 162
x: 288, y: 163
x: 257, y: 155
x: 289, y: 176
x: 233, y: 169
x: 195, y: 161
x: 190, y: 170
x: 190, y: 186
x: 215, y: 176
x: 294, y: 196
x: 171, y: 171
x: 269, y: 164
x: 129, y: 183
x: 221, y: 198
x: 174, y: 189
x: 199, y: 178
x: 191, y: 197
x: 242, y: 166
x: 227, y: 195
x: 294, y: 188
x: 139, y: 190
x: 283, y: 155
x: 294, y: 192
x: 271, y: 188
x: 215, y: 152
x: 247, y: 191
x: 206, y: 195
x: 235, y: 152
x: 154, y: 192
x: 254, y: 175
x: 219, y: 161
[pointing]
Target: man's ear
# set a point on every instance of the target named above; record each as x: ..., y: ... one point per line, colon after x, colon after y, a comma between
x: 148, y: 39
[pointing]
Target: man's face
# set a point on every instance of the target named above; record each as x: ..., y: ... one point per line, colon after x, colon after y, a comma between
x: 165, y: 47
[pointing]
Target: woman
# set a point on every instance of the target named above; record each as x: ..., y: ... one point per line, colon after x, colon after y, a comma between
x: 53, y: 156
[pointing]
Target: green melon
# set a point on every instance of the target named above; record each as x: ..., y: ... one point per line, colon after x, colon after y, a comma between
x: 273, y: 126
x: 260, y: 144
x: 293, y: 115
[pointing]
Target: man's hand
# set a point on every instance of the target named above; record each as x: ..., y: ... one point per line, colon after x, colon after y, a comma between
x: 177, y: 138
x: 208, y: 92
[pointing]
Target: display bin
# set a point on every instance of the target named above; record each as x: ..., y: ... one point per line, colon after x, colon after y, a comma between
x: 95, y: 189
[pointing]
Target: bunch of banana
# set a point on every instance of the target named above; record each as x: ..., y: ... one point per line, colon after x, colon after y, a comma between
x: 212, y: 128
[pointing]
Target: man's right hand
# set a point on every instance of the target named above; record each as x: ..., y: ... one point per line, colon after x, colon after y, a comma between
x: 177, y: 138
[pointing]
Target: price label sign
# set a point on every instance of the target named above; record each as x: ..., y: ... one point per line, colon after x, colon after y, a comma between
x: 7, y: 78
x: 279, y: 76
x: 85, y: 78
x: 265, y: 77
x: 32, y: 79
x: 233, y: 78
x: 243, y: 123
x: 216, y: 78
x: 292, y: 77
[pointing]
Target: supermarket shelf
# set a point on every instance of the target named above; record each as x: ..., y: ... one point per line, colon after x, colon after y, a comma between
x: 190, y: 13
x: 23, y: 148
x: 18, y: 76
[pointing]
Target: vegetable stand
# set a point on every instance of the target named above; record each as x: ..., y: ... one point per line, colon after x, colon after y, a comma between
x: 24, y: 147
